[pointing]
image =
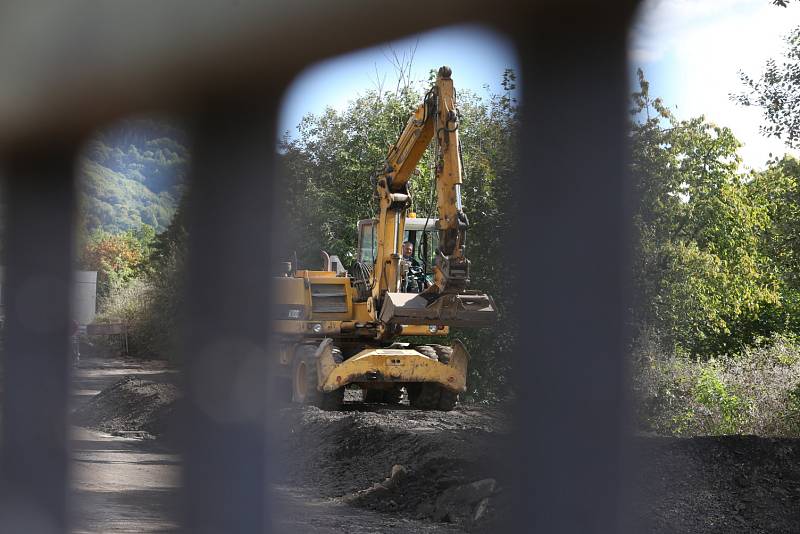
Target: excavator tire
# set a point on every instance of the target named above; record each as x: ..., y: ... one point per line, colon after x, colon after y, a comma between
x: 389, y: 396
x: 305, y: 381
x: 426, y: 396
x: 374, y: 396
x: 393, y: 395
x: 447, y: 400
x: 428, y: 351
x: 443, y: 353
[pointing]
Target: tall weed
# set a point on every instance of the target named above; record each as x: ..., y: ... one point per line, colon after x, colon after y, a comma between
x: 756, y: 391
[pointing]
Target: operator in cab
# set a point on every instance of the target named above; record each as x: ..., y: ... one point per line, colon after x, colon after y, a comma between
x: 413, y: 276
x: 408, y: 253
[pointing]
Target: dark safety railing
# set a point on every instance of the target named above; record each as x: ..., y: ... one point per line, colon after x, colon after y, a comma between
x: 68, y: 68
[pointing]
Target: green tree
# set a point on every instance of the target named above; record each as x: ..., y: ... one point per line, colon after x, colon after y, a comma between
x: 777, y: 188
x: 777, y: 92
x: 488, y: 132
x: 328, y: 171
x: 117, y: 258
x: 701, y: 273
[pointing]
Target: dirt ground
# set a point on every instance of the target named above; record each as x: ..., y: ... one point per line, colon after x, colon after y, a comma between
x: 126, y: 479
x: 121, y: 483
x: 373, y: 469
x: 724, y: 484
x: 429, y: 466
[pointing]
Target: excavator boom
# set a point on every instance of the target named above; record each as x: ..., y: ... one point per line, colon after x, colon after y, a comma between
x: 447, y: 301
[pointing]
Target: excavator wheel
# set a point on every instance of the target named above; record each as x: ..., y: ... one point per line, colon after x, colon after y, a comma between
x: 447, y: 400
x: 390, y: 396
x: 393, y: 395
x: 374, y: 395
x: 427, y: 396
x: 305, y: 381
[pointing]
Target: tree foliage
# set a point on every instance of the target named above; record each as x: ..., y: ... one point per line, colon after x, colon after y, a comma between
x: 140, y: 281
x: 328, y: 168
x: 715, y: 263
x: 117, y: 258
x: 777, y: 92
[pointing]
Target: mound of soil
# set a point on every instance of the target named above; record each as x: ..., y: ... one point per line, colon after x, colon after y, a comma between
x: 131, y: 405
x: 438, y: 466
x: 419, y: 464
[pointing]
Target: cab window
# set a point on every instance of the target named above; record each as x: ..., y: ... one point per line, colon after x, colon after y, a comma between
x: 367, y: 245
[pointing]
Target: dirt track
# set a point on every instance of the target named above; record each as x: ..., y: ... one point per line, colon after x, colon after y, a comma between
x: 376, y: 470
x: 121, y: 483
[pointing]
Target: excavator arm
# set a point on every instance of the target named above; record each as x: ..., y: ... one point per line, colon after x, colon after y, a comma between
x: 447, y: 301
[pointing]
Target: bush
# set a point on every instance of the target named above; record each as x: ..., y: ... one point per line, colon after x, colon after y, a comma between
x: 148, y: 304
x: 754, y: 392
x: 117, y: 258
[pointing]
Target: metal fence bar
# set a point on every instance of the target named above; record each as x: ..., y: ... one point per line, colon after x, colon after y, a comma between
x: 572, y: 234
x: 569, y: 443
x: 38, y: 257
x: 227, y: 304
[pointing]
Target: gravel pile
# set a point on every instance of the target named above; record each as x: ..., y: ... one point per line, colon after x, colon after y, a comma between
x: 131, y: 406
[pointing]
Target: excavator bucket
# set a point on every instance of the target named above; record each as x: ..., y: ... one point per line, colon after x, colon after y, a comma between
x: 470, y: 309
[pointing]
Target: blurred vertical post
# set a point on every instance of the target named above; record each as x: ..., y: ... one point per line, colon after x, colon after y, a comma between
x: 38, y: 256
x: 226, y: 318
x: 573, y: 233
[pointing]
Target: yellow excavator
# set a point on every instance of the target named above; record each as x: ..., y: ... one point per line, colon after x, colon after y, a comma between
x: 339, y: 330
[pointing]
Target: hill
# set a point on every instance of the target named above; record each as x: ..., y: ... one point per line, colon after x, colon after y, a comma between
x: 132, y: 174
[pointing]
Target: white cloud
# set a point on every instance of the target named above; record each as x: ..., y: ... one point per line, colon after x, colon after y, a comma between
x: 703, y: 46
x: 662, y: 23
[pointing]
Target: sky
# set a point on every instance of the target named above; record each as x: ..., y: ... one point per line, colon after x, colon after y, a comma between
x: 690, y: 50
x: 477, y: 56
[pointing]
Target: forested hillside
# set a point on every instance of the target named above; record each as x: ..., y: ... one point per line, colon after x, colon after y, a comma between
x: 132, y: 174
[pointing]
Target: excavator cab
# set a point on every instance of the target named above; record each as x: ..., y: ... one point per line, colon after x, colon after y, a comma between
x: 421, y: 232
x: 420, y: 239
x: 408, y: 306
